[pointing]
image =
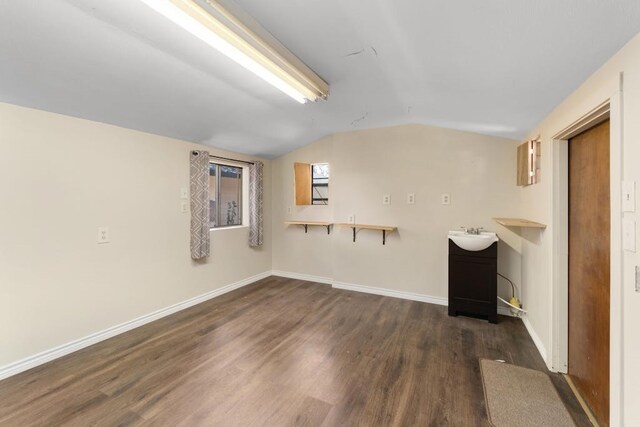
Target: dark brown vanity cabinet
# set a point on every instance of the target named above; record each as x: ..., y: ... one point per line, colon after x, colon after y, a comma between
x: 473, y: 282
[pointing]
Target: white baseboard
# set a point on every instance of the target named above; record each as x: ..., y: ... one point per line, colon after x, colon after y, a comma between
x: 536, y: 339
x: 391, y: 293
x: 505, y: 311
x: 63, y: 350
x: 374, y: 290
x: 305, y: 277
x: 360, y: 288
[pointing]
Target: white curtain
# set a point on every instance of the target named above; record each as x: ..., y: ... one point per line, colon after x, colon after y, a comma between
x: 199, y: 186
x: 255, y: 204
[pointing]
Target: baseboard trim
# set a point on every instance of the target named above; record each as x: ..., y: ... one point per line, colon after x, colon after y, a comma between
x: 391, y: 293
x: 305, y: 277
x: 505, y: 311
x: 536, y: 339
x: 373, y: 290
x: 57, y: 352
x: 65, y: 349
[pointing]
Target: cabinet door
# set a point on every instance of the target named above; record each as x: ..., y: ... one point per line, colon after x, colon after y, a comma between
x: 472, y: 279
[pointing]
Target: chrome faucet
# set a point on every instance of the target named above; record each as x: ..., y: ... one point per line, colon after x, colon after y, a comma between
x: 472, y: 230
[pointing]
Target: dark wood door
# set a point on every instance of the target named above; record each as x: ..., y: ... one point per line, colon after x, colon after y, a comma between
x: 589, y: 267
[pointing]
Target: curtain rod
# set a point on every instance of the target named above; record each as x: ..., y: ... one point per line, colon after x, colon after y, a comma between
x: 195, y: 153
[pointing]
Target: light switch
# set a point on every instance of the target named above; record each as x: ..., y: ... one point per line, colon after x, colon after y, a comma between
x: 103, y: 235
x: 629, y: 196
x: 629, y: 235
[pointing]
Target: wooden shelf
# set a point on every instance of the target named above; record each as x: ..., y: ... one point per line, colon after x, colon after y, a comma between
x: 384, y: 228
x: 518, y: 222
x: 306, y: 224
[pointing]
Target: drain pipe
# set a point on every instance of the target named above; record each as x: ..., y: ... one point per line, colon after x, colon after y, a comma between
x: 515, y: 305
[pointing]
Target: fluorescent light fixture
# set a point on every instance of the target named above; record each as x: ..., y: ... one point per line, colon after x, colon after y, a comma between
x: 225, y: 33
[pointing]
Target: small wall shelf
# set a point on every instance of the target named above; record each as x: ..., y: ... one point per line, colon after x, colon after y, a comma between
x: 384, y: 228
x: 306, y: 224
x: 518, y: 222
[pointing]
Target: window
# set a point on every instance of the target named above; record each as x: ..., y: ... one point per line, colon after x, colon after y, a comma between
x: 320, y: 184
x: 225, y: 195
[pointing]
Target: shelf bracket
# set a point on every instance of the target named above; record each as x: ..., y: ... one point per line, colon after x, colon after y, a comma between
x: 384, y: 236
x: 305, y: 228
x: 328, y: 228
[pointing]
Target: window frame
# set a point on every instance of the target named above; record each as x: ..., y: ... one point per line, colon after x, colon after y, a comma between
x: 241, y: 195
x: 314, y: 185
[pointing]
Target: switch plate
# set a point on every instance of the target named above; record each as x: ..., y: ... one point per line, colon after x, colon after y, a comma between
x: 386, y: 199
x: 103, y: 235
x: 628, y: 196
x: 411, y: 199
x: 351, y: 219
x: 184, y: 206
x: 446, y: 199
x: 629, y: 235
x: 184, y: 193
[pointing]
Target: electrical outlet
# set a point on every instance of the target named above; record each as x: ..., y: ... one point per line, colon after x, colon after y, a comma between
x: 446, y: 199
x: 103, y: 235
x: 184, y: 206
x: 351, y: 219
x: 411, y: 198
x: 289, y: 209
x: 386, y: 199
x: 184, y: 193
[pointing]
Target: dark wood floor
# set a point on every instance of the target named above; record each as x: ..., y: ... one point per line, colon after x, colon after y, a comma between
x: 280, y: 352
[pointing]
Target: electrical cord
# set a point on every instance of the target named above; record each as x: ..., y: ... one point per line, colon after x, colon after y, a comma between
x: 517, y: 307
x: 513, y: 288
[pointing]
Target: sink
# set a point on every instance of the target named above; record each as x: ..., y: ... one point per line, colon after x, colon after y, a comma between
x: 473, y: 242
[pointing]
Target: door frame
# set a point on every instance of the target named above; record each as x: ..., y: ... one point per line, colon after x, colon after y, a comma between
x: 610, y: 109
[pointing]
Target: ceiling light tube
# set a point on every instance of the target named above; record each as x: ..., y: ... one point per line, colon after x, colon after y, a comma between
x: 245, y: 47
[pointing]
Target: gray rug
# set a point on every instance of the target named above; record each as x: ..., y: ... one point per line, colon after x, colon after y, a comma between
x: 521, y: 397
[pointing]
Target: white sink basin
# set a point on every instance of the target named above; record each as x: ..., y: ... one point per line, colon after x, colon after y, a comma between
x: 473, y: 242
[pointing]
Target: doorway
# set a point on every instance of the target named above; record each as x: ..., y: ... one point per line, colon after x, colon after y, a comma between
x: 589, y: 261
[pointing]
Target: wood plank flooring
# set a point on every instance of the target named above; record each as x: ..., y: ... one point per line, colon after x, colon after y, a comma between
x: 280, y: 352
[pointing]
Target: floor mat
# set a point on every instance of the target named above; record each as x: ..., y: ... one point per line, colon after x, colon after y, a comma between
x: 521, y: 397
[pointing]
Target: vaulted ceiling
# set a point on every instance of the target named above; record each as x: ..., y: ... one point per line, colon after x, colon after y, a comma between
x: 495, y: 67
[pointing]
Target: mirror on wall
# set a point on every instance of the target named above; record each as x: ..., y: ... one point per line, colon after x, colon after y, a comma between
x: 311, y: 183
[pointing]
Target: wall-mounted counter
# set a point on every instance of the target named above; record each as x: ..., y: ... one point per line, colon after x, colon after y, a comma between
x: 518, y: 222
x: 384, y: 228
x: 306, y: 224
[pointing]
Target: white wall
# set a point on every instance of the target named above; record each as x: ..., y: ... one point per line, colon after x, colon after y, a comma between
x: 477, y: 171
x: 60, y: 179
x: 537, y: 204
